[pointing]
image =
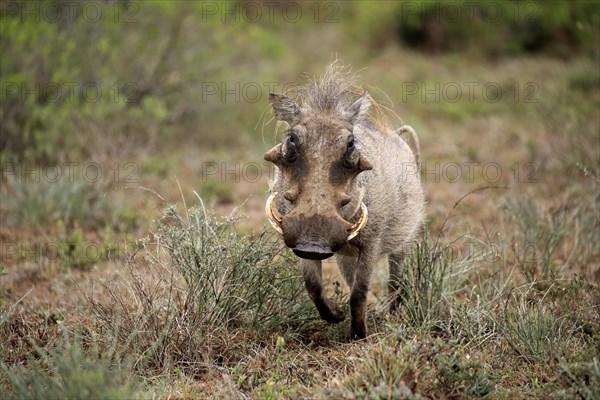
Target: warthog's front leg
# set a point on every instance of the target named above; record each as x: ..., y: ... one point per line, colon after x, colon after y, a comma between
x: 313, y: 280
x: 358, y: 295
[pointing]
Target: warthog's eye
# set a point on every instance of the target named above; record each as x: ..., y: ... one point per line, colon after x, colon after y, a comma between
x: 351, y: 155
x: 289, y: 150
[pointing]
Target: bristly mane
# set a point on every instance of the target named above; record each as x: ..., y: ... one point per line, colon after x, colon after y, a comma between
x: 335, y: 91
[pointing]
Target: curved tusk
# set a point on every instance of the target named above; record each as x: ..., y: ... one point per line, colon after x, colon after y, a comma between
x: 358, y: 226
x: 274, y: 219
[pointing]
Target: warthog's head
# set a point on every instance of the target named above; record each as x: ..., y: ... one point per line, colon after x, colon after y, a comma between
x: 317, y: 201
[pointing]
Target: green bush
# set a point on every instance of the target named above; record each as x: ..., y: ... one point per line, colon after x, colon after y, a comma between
x: 232, y: 280
x: 490, y: 27
x: 130, y: 81
x: 213, y: 285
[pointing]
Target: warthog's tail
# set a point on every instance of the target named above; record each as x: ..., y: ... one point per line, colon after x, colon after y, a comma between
x: 415, y: 142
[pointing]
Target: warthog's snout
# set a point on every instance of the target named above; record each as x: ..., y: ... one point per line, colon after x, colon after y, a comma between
x: 317, y: 237
x: 314, y: 237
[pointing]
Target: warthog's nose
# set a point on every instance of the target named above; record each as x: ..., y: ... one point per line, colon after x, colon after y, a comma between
x: 312, y: 251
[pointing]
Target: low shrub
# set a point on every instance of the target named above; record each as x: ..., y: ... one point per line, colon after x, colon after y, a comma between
x: 204, y: 286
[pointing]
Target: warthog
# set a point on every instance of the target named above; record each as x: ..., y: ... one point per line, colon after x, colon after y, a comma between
x: 344, y: 184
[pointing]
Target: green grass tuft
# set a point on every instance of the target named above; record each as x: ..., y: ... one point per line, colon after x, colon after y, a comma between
x: 72, y: 371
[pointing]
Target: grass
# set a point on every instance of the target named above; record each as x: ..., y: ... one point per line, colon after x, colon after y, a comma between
x: 38, y: 203
x: 73, y: 370
x: 217, y: 296
x: 423, y: 285
x: 535, y: 332
x: 538, y: 236
x: 232, y: 282
x: 388, y: 371
x: 210, y: 298
x: 200, y: 302
x: 210, y: 289
x: 584, y: 378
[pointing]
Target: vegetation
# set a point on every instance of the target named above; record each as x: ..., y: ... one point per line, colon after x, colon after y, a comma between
x: 500, y: 294
x: 73, y: 372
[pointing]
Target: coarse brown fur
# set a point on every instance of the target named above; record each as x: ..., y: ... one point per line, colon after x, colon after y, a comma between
x: 339, y: 152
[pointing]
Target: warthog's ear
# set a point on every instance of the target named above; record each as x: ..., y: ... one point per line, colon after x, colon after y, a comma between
x: 364, y: 164
x: 359, y: 109
x: 285, y: 109
x: 274, y: 155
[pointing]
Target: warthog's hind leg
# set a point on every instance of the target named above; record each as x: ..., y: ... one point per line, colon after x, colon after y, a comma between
x: 313, y: 281
x: 395, y: 289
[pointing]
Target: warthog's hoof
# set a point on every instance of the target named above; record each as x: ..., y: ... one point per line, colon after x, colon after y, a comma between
x: 358, y: 330
x: 330, y: 312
